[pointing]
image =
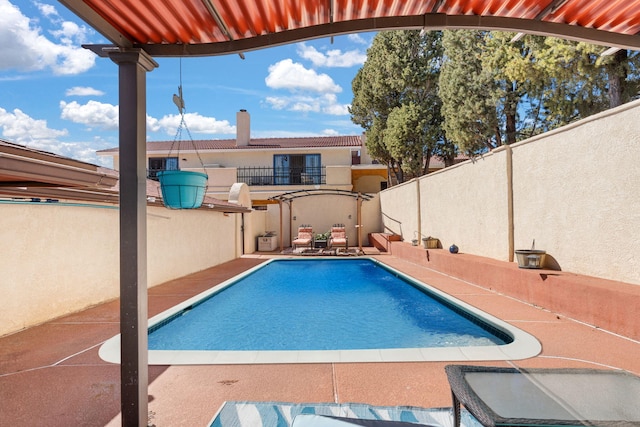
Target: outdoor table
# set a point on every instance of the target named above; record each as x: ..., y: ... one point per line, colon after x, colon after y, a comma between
x: 543, y: 397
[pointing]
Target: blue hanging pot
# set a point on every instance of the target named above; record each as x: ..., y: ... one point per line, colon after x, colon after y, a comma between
x: 182, y: 189
x: 453, y: 249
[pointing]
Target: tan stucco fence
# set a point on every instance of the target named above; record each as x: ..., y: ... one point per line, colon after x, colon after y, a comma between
x: 61, y: 258
x: 575, y: 190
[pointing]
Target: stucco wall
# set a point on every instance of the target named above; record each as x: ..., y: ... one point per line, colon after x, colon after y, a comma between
x: 58, y: 259
x: 575, y: 191
x: 400, y: 210
x: 455, y: 208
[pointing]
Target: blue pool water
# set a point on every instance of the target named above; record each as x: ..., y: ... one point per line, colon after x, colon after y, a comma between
x: 322, y: 305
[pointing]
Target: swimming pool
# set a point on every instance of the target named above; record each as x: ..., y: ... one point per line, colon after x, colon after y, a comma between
x: 278, y: 312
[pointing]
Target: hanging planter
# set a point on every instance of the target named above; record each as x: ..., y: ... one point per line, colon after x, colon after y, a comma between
x: 182, y: 189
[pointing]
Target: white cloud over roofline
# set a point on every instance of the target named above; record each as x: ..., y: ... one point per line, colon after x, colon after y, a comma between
x: 101, y: 115
x: 22, y: 129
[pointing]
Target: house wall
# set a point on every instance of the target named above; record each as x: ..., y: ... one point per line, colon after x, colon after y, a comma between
x: 575, y: 191
x: 258, y: 157
x: 61, y: 258
x: 221, y: 167
x: 221, y: 179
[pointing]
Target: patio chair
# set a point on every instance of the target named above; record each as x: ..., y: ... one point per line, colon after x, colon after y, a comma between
x: 304, y: 237
x: 338, y: 236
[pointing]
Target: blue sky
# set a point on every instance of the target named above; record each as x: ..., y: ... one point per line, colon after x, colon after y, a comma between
x: 58, y: 97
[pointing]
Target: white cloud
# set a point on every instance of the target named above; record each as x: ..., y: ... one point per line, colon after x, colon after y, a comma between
x: 327, y: 104
x: 305, y: 107
x: 357, y: 38
x: 47, y: 10
x: 22, y: 129
x: 331, y: 105
x: 292, y: 76
x: 331, y: 58
x: 330, y: 132
x: 195, y: 123
x: 93, y: 114
x: 83, y: 91
x: 24, y: 47
x: 277, y: 103
x: 96, y: 114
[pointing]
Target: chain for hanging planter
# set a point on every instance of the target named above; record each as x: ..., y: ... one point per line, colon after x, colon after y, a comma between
x: 182, y: 189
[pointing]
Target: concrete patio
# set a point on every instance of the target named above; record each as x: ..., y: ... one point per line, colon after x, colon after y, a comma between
x: 51, y: 374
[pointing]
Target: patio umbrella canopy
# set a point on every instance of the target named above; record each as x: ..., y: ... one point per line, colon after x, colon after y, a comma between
x: 218, y: 27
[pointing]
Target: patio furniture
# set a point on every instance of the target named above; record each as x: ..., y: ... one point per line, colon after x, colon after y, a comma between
x: 304, y: 237
x: 313, y: 420
x: 338, y: 236
x: 283, y: 414
x: 543, y: 397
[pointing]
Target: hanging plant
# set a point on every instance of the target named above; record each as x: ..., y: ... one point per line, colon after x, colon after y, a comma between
x: 182, y: 189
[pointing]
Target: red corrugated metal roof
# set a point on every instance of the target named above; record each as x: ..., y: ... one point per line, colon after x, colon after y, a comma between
x: 216, y: 27
x: 255, y: 144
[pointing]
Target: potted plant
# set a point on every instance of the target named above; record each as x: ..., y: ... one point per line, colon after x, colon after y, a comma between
x: 320, y: 239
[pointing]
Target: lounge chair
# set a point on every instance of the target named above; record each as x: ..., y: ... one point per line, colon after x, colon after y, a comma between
x: 304, y: 237
x: 338, y: 236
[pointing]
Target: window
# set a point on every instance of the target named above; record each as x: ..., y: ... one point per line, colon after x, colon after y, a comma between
x: 157, y: 164
x: 304, y: 169
x: 355, y: 157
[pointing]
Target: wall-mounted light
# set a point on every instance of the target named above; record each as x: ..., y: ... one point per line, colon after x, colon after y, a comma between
x: 294, y: 218
x: 349, y: 216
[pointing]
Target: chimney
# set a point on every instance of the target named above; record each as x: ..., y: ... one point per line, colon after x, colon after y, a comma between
x: 243, y: 128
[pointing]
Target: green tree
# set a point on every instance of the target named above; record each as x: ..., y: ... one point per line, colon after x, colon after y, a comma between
x: 405, y: 137
x: 402, y: 68
x: 468, y: 93
x: 567, y: 81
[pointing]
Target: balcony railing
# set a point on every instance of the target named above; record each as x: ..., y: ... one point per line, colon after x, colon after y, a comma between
x: 282, y: 176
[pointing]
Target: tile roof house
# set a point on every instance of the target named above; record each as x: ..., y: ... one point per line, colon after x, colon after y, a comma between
x: 269, y: 166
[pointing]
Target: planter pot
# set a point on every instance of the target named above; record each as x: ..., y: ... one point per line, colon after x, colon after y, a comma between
x: 430, y: 243
x: 530, y: 258
x: 182, y: 189
x: 414, y: 242
x: 320, y: 244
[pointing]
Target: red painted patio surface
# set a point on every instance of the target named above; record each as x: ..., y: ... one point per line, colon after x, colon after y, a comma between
x: 51, y: 374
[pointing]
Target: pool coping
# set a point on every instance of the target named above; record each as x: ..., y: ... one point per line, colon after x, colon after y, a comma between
x: 523, y: 346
